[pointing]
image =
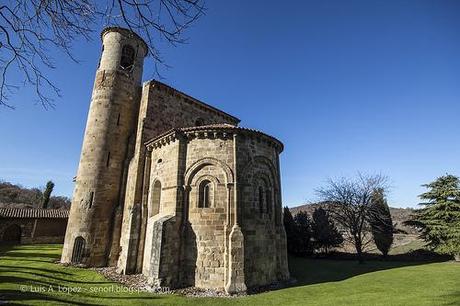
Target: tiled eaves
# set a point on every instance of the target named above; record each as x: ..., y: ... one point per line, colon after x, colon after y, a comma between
x: 23, y: 213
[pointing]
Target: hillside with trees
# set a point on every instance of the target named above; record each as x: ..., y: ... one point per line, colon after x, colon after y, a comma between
x: 17, y: 196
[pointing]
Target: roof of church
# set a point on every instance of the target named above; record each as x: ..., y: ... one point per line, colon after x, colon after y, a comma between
x: 34, y: 213
x: 219, y: 127
x: 195, y: 101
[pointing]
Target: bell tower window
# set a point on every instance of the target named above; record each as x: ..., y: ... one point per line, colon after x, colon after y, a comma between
x: 127, y: 57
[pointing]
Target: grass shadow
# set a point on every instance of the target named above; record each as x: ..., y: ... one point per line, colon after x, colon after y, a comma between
x: 53, y: 277
x: 10, y: 296
x: 26, y: 281
x: 35, y: 269
x: 21, y: 255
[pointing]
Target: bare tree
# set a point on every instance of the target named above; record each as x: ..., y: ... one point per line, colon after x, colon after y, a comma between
x: 30, y: 28
x: 349, y: 203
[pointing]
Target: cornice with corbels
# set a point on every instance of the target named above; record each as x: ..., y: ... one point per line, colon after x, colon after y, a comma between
x: 224, y: 133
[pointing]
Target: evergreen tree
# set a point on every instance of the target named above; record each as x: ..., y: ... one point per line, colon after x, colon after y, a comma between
x: 324, y: 232
x: 439, y: 219
x: 47, y: 194
x: 381, y: 222
x: 291, y: 230
x: 303, y: 244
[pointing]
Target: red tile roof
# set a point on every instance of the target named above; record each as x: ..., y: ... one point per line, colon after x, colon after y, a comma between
x: 34, y: 213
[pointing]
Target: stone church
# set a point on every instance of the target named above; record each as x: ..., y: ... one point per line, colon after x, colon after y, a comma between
x: 171, y: 187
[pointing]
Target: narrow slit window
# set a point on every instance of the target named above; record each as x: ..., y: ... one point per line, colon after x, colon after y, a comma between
x: 118, y: 119
x: 108, y: 160
x: 91, y: 198
x: 206, y: 196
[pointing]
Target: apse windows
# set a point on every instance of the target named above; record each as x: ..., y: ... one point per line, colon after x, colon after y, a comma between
x: 268, y: 199
x: 204, y: 196
x: 261, y: 199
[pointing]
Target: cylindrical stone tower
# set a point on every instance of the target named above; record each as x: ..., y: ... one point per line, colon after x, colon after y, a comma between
x: 110, y: 126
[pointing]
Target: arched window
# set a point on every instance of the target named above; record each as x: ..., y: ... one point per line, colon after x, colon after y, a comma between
x: 127, y: 57
x: 78, y: 249
x: 261, y: 199
x: 204, y: 197
x: 268, y: 199
x: 199, y: 122
x: 156, y: 199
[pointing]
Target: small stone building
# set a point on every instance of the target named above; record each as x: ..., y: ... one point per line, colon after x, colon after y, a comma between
x: 30, y: 226
x: 172, y: 187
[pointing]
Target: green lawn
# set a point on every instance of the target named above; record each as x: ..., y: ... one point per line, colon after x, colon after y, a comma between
x: 320, y: 282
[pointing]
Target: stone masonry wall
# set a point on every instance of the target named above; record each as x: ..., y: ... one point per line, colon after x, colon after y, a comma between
x: 265, y: 261
x: 37, y: 230
x: 214, y: 252
x: 212, y: 160
x: 162, y: 240
x: 162, y: 108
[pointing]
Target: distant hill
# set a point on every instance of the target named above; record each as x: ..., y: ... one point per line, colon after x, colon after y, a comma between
x: 399, y: 215
x: 17, y: 196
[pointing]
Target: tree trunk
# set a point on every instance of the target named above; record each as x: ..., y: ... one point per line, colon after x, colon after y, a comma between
x: 359, y: 249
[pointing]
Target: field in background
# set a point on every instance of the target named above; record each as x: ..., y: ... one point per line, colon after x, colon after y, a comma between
x: 30, y: 276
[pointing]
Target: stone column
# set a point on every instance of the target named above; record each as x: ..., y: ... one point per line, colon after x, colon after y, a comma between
x: 283, y: 267
x: 144, y: 209
x: 236, y: 280
x: 184, y: 227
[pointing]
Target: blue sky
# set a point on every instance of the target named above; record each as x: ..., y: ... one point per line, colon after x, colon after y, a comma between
x: 370, y: 86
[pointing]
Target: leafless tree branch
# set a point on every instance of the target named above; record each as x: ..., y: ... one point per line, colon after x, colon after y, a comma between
x: 30, y: 28
x: 349, y: 203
